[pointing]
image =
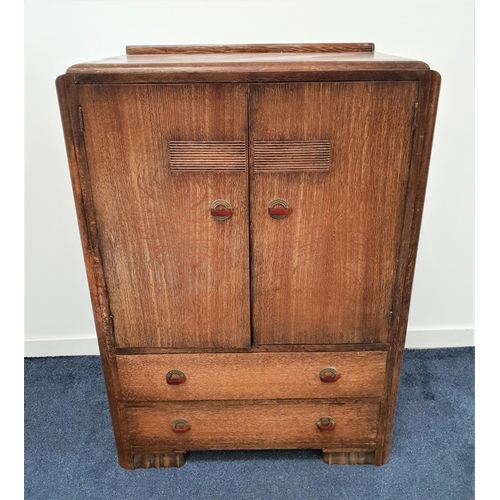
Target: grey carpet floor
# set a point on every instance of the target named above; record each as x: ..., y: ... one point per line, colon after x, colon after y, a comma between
x: 70, y: 454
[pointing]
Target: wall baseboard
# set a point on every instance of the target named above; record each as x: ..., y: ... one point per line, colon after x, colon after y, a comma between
x: 87, y: 346
x: 77, y: 346
x: 434, y: 339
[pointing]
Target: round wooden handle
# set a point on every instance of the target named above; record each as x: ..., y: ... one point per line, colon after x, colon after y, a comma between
x: 175, y: 377
x: 329, y: 375
x: 325, y: 424
x: 180, y: 425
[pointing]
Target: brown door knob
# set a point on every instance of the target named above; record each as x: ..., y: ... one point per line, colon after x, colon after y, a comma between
x: 180, y: 425
x: 221, y: 210
x: 278, y: 209
x: 329, y: 375
x: 325, y: 424
x: 175, y: 377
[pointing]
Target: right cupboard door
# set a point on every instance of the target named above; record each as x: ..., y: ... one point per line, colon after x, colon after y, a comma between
x: 329, y: 169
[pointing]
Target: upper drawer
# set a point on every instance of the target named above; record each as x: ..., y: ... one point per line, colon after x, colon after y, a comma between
x: 231, y: 376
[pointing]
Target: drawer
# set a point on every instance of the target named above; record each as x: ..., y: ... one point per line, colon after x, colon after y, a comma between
x: 251, y: 425
x: 230, y: 376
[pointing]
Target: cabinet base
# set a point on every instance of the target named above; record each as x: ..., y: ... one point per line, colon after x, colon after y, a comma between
x: 159, y: 460
x: 348, y: 457
x: 178, y: 459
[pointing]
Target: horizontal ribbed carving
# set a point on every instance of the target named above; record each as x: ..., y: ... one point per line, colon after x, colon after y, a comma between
x: 159, y: 460
x: 291, y: 155
x: 188, y: 156
x: 348, y: 457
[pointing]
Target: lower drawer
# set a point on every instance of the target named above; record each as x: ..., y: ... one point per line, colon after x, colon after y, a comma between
x: 251, y: 425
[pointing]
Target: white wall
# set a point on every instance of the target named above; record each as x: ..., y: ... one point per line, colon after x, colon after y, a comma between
x: 58, y: 319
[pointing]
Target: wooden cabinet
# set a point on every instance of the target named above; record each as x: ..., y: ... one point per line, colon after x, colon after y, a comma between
x: 249, y: 217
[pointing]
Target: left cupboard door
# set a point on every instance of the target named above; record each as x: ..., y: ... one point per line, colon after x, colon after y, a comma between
x: 158, y: 157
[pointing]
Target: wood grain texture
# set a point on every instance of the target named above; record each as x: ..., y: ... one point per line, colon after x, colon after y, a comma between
x: 426, y: 117
x: 326, y: 273
x: 166, y: 290
x: 253, y: 425
x: 256, y: 48
x: 291, y: 156
x: 274, y: 73
x: 191, y: 156
x: 251, y: 376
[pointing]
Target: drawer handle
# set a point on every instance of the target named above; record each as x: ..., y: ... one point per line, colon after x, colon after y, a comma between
x: 180, y: 425
x: 221, y: 210
x: 329, y: 375
x: 175, y: 377
x: 325, y: 424
x: 278, y: 209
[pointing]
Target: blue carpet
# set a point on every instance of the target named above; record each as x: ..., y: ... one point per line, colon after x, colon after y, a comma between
x: 70, y: 451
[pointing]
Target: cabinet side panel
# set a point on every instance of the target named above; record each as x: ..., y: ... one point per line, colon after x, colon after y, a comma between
x: 428, y: 96
x: 326, y: 272
x: 68, y: 105
x: 176, y: 276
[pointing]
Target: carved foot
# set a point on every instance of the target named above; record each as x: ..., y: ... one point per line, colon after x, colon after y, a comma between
x: 348, y: 457
x: 158, y: 460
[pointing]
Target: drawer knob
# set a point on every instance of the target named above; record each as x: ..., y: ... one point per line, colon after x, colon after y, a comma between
x: 329, y: 375
x: 180, y: 425
x: 325, y: 424
x: 278, y: 209
x: 175, y: 377
x: 221, y: 210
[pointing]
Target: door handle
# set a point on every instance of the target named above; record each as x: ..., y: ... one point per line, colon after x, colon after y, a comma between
x: 221, y: 210
x: 278, y: 209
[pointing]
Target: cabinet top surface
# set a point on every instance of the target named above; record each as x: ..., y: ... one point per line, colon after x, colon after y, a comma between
x: 243, y: 62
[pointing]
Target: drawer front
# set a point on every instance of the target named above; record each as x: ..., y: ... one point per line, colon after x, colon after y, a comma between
x: 233, y: 376
x: 247, y: 425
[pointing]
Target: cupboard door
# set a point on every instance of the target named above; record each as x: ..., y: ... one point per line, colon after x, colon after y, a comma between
x: 158, y: 157
x: 338, y: 154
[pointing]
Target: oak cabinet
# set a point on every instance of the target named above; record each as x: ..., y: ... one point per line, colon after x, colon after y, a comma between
x: 249, y: 217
